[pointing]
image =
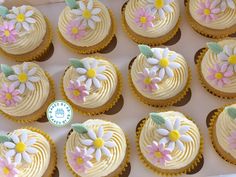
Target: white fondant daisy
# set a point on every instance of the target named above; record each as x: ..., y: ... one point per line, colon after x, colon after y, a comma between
x: 163, y: 62
x: 174, y: 134
x: 228, y: 56
x: 21, y: 148
x: 21, y: 17
x: 99, y: 143
x: 87, y: 14
x: 92, y: 73
x: 160, y: 6
x: 24, y: 78
x: 227, y: 3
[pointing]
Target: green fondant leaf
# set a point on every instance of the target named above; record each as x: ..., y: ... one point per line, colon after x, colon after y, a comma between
x: 72, y: 4
x: 216, y: 48
x: 5, y: 138
x: 79, y: 128
x: 7, y: 70
x: 76, y: 63
x: 3, y: 11
x: 146, y: 51
x: 157, y: 118
x: 232, y: 112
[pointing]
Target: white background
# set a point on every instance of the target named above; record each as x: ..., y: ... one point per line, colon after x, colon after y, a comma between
x: 133, y: 111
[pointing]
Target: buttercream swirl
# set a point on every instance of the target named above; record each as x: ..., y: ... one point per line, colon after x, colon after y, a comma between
x: 96, y: 97
x: 27, y: 42
x: 92, y: 37
x: 224, y: 20
x: 31, y: 100
x: 210, y: 59
x: 180, y: 159
x: 169, y: 87
x: 105, y: 166
x: 40, y: 160
x: 161, y: 26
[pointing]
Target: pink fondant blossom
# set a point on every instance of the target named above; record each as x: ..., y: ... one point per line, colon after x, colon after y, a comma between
x: 144, y: 18
x: 208, y: 10
x: 76, y: 30
x: 7, y: 168
x: 158, y: 154
x: 232, y: 140
x: 220, y: 74
x: 8, y: 32
x: 9, y: 95
x: 77, y: 91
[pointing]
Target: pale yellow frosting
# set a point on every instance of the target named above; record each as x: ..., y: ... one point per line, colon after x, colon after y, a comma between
x: 27, y: 42
x: 225, y: 19
x: 180, y: 159
x: 106, y: 165
x: 161, y: 26
x: 210, y: 59
x: 92, y: 37
x: 40, y: 160
x: 96, y: 97
x: 169, y: 87
x: 31, y: 100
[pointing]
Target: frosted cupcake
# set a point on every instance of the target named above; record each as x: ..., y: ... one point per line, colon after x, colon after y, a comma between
x: 151, y: 22
x: 86, y: 26
x: 169, y: 143
x: 27, y: 152
x: 217, y: 68
x: 25, y: 34
x: 212, y: 18
x: 91, y: 85
x: 159, y: 77
x: 26, y: 91
x: 96, y: 148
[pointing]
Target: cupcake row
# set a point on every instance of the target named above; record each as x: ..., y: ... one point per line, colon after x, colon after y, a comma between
x: 89, y: 26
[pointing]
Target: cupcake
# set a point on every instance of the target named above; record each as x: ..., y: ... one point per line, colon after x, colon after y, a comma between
x: 151, y: 22
x: 26, y: 91
x: 223, y: 132
x: 217, y: 67
x: 91, y: 85
x: 86, y: 26
x: 27, y: 152
x: 159, y: 77
x: 212, y: 18
x: 169, y: 143
x: 96, y: 148
x: 25, y: 34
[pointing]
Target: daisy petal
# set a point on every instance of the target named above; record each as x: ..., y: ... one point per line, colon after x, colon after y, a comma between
x: 18, y: 158
x: 88, y: 84
x: 29, y: 13
x: 152, y: 61
x: 183, y: 129
x: 31, y: 150
x: 30, y: 20
x: 15, y: 139
x: 98, y: 154
x: 176, y: 124
x: 26, y: 157
x: 32, y: 71
x: 164, y: 140
x: 101, y: 77
x: 10, y: 153
x: 106, y: 151
x: 96, y: 11
x: 30, y: 86
x: 110, y: 144
x: 186, y: 138
x: 107, y: 136
x: 96, y: 83
x: 171, y: 146
x: 81, y: 70
x: 162, y: 131
x: 168, y: 125
x: 9, y: 145
x: 100, y: 132
x: 87, y: 142
x: 180, y: 145
x: 91, y: 24
x: 34, y: 79
x: 169, y: 72
x: 91, y: 134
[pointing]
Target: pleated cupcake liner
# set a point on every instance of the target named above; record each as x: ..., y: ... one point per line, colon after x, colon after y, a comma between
x: 163, y: 172
x: 37, y: 53
x: 95, y: 48
x: 39, y: 113
x: 207, y: 32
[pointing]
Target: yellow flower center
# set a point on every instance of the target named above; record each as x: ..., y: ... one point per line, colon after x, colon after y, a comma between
x: 158, y: 154
x: 143, y: 19
x: 20, y: 18
x: 148, y: 80
x: 76, y: 92
x: 91, y: 73
x: 218, y: 76
x: 164, y: 62
x: 159, y: 3
x: 6, y: 171
x: 87, y: 14
x: 174, y: 135
x: 20, y: 147
x: 98, y: 143
x: 22, y: 77
x: 79, y: 161
x: 232, y: 59
x: 74, y: 30
x: 7, y: 33
x: 8, y: 96
x: 207, y: 11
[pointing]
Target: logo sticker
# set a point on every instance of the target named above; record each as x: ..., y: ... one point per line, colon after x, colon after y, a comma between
x: 59, y: 113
